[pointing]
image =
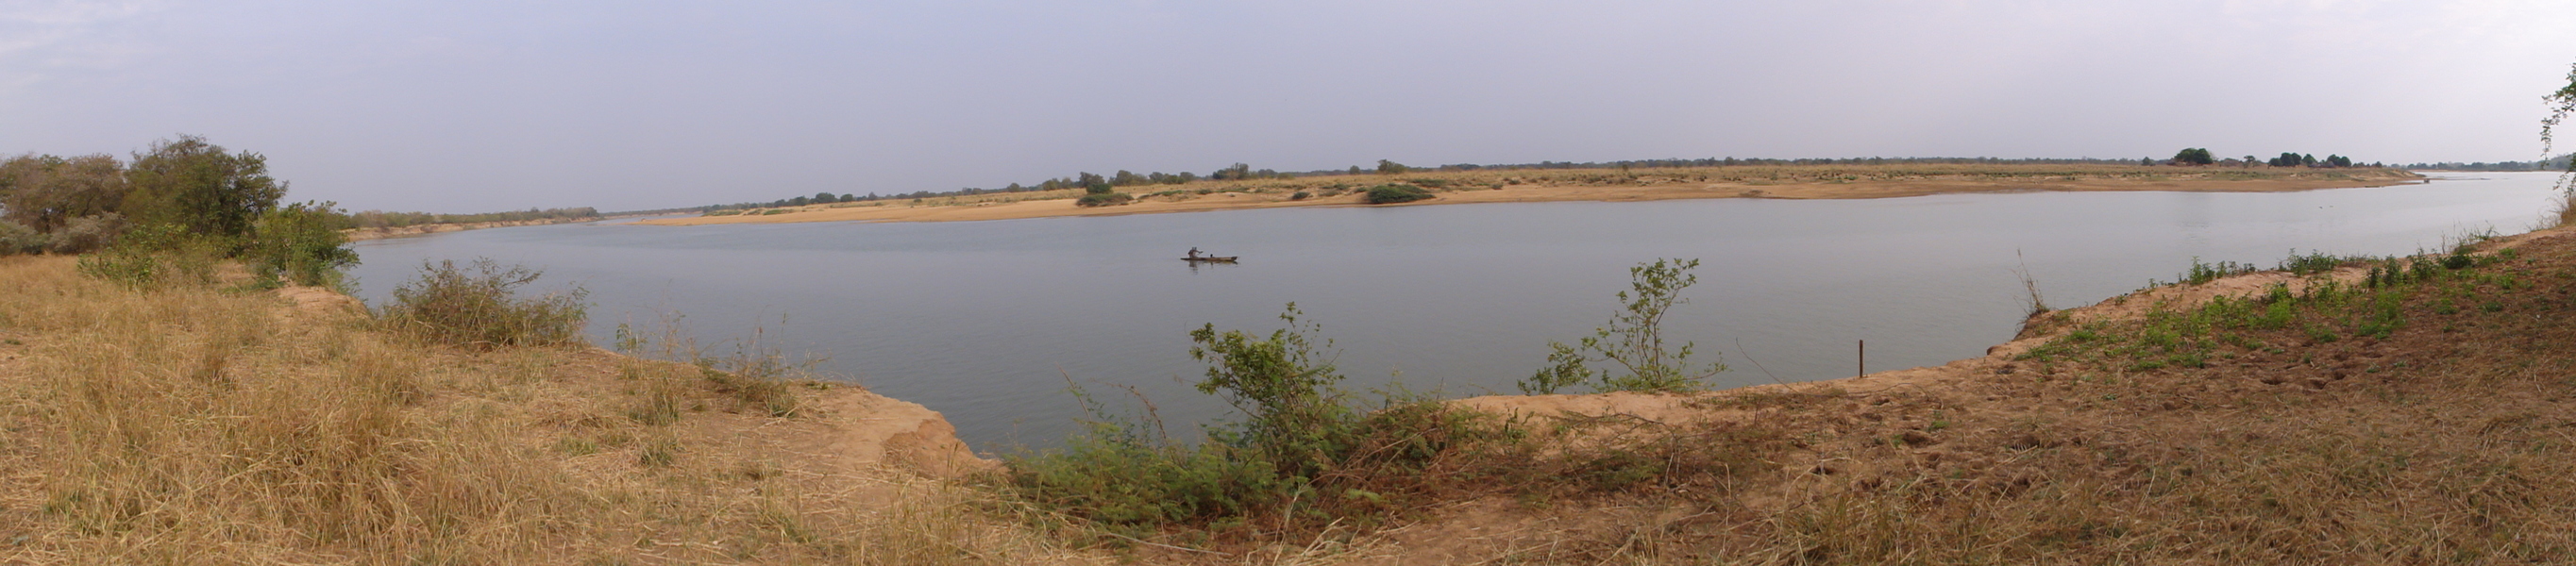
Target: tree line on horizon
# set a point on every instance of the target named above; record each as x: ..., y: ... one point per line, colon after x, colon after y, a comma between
x: 1092, y: 183
x: 2202, y: 156
x: 2559, y: 163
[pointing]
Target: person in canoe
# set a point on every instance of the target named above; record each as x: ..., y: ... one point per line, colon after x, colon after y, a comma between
x: 1194, y: 252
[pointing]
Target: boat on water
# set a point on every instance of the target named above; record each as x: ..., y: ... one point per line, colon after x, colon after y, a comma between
x: 1210, y: 259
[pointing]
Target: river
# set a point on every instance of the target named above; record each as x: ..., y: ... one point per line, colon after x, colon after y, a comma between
x: 987, y: 321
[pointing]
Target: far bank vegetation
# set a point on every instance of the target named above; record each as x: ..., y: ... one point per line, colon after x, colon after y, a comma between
x: 1355, y: 185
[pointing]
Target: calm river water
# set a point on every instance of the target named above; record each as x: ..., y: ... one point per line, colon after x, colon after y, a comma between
x: 985, y: 321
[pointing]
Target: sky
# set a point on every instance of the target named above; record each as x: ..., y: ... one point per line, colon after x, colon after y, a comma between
x: 475, y: 106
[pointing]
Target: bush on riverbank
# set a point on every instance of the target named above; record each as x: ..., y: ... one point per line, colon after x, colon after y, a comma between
x: 479, y: 305
x: 1394, y: 193
x: 1103, y: 199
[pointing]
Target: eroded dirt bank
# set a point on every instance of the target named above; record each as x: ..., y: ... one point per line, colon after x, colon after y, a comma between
x: 2351, y: 416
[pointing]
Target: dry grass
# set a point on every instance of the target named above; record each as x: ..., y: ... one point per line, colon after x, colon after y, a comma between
x: 190, y: 426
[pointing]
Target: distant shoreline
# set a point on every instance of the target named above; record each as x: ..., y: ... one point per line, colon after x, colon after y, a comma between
x: 1791, y: 182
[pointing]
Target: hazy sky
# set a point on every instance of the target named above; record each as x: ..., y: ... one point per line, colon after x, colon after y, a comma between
x: 471, y: 105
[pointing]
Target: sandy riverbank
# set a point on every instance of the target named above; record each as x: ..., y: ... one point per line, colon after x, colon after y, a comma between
x: 358, y: 234
x: 1586, y: 185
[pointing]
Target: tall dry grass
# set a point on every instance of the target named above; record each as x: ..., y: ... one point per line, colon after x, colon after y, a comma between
x: 186, y: 425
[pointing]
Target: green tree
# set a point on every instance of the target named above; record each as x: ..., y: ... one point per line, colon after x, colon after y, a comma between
x: 301, y: 242
x: 46, y: 192
x: 2194, y: 156
x: 1633, y: 341
x: 1385, y: 167
x: 198, y: 188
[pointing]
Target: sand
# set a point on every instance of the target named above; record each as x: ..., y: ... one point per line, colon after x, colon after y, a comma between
x: 1003, y: 209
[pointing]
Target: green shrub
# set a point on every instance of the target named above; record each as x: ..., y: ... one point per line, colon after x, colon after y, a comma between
x: 723, y: 213
x: 2310, y: 264
x: 87, y: 234
x: 301, y: 242
x: 1303, y: 454
x: 156, y: 255
x: 1394, y: 193
x: 1301, y: 195
x: 2206, y: 272
x: 479, y: 305
x: 1633, y: 341
x: 17, y: 238
x: 1102, y: 199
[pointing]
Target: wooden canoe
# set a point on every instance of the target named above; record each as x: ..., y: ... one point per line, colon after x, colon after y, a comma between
x: 1210, y: 259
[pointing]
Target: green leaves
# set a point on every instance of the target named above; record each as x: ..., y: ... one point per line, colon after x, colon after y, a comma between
x: 1633, y: 341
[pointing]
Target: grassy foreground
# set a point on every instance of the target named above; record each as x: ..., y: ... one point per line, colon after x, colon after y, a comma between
x: 2340, y: 410
x: 193, y: 425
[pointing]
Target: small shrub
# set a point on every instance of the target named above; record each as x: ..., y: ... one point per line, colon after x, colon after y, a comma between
x: 2310, y: 264
x: 1633, y: 341
x: 479, y: 305
x: 1301, y: 195
x: 17, y: 238
x: 724, y: 213
x: 1102, y: 199
x: 2205, y: 272
x: 156, y: 255
x: 87, y: 234
x: 775, y: 211
x: 1303, y: 452
x: 1393, y: 193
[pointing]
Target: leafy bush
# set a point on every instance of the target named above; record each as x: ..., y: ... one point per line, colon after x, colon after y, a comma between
x: 17, y: 238
x: 1303, y: 451
x: 87, y: 233
x: 301, y: 242
x: 1634, y: 341
x: 1102, y: 199
x: 1301, y: 195
x: 1394, y: 193
x: 155, y: 255
x: 479, y: 305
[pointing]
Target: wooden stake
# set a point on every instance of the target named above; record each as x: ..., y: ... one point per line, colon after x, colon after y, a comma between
x: 1864, y: 359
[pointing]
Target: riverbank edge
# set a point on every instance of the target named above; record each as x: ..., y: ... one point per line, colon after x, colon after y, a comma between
x: 1058, y: 206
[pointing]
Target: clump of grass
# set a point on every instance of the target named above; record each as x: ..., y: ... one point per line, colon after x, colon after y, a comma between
x: 2206, y: 272
x: 2311, y: 263
x: 479, y: 304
